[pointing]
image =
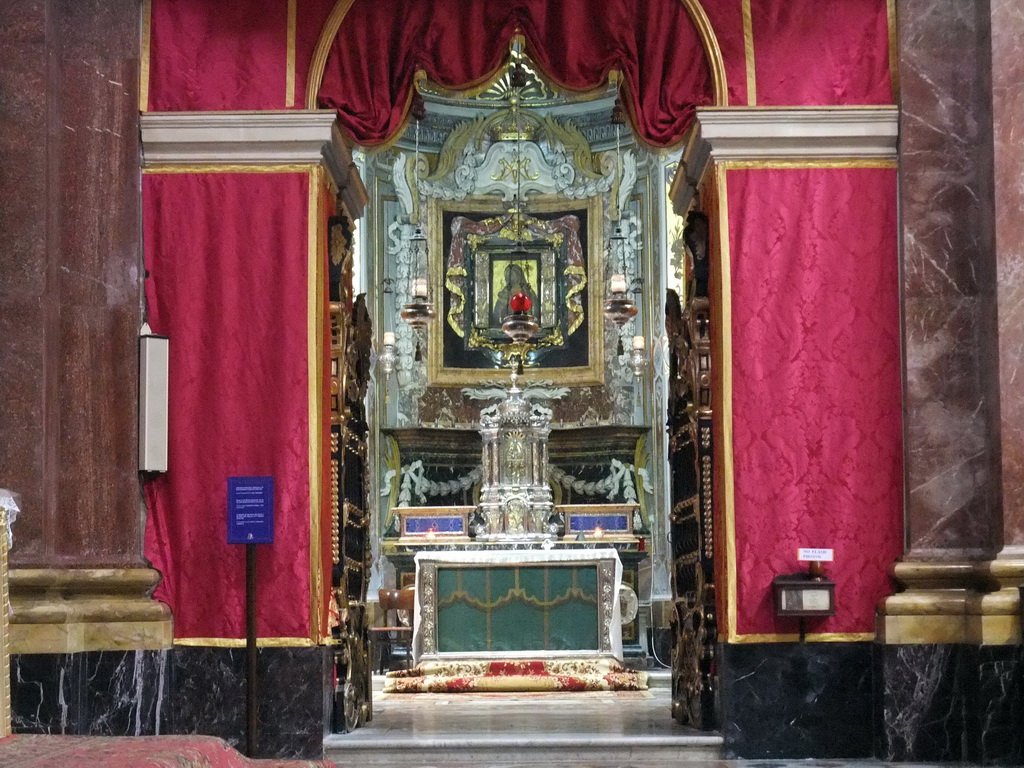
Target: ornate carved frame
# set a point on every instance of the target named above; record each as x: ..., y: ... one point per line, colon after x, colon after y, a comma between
x: 592, y: 374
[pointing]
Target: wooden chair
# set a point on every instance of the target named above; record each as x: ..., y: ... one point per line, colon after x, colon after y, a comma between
x: 395, y: 629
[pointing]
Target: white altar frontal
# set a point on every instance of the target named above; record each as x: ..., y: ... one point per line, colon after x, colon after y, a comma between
x: 517, y: 604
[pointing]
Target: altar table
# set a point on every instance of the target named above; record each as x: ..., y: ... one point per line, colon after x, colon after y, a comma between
x: 516, y: 604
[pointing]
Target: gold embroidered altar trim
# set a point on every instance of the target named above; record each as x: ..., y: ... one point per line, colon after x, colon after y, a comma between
x: 518, y: 595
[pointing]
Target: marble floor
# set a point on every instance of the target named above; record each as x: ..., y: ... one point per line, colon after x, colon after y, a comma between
x: 599, y: 730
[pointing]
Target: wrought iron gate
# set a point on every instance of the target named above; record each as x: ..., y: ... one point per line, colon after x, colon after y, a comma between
x: 691, y: 464
x: 350, y: 530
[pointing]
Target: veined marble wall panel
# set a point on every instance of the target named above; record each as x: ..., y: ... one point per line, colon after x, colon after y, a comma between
x: 948, y: 279
x: 1008, y: 110
x: 70, y: 294
x: 183, y: 690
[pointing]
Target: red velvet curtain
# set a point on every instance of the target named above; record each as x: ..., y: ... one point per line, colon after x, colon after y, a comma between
x: 226, y: 56
x: 816, y: 385
x: 229, y: 55
x: 459, y: 43
x: 227, y: 262
x: 809, y: 52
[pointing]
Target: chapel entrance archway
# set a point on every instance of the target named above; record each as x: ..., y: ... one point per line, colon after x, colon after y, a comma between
x: 689, y: 565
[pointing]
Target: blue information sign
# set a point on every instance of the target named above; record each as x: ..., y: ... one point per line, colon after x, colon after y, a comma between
x: 250, y: 510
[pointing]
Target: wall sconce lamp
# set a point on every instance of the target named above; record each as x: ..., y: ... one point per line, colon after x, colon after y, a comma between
x: 154, y: 357
x: 387, y: 358
x: 638, y: 356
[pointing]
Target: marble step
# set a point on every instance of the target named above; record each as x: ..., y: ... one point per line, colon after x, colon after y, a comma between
x: 506, y: 751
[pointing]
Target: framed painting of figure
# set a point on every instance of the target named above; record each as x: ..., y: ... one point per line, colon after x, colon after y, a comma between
x: 482, y: 254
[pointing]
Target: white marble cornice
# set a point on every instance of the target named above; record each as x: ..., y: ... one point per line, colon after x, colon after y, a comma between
x: 802, y: 133
x: 253, y: 138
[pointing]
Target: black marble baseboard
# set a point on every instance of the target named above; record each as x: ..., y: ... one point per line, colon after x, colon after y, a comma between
x: 797, y: 700
x: 184, y: 690
x: 951, y: 703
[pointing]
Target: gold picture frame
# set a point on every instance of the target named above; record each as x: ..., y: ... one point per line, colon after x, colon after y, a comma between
x: 592, y: 373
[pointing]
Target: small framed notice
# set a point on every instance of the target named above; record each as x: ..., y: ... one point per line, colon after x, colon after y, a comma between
x: 250, y: 510
x: 815, y: 555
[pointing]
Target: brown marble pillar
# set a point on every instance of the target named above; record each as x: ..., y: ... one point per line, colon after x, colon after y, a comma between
x: 69, y: 280
x: 949, y: 281
x: 70, y: 292
x: 1008, y: 132
x: 961, y: 197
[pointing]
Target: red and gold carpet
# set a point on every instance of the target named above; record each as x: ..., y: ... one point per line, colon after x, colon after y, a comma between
x: 25, y: 751
x: 482, y: 676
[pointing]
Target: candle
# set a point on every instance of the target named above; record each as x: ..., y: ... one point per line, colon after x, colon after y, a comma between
x: 598, y: 533
x: 618, y: 284
x: 638, y: 342
x: 389, y: 339
x: 419, y: 287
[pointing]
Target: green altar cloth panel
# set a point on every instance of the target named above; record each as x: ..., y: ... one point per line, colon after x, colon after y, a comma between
x: 501, y: 608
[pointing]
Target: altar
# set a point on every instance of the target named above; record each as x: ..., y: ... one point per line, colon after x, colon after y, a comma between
x: 513, y: 604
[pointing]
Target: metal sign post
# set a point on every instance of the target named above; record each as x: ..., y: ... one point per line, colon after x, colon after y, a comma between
x: 250, y: 522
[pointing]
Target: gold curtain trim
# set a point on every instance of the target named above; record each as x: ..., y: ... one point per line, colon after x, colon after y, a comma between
x: 239, y: 642
x: 315, y: 77
x: 289, y: 77
x: 147, y: 36
x: 315, y: 345
x: 459, y: 304
x: 748, y: 48
x: 810, y: 163
x: 712, y: 50
x: 894, y: 56
x: 518, y: 595
x: 811, y: 637
x: 572, y: 297
x: 231, y: 168
x: 728, y: 476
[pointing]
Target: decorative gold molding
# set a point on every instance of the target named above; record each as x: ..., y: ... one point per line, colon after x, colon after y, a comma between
x: 230, y: 168
x: 67, y: 611
x: 975, y: 602
x: 748, y: 48
x: 712, y: 50
x: 725, y: 378
x: 315, y: 350
x: 810, y: 637
x: 811, y: 163
x: 318, y: 62
x: 289, y: 76
x: 590, y: 375
x: 144, y: 52
x: 894, y: 55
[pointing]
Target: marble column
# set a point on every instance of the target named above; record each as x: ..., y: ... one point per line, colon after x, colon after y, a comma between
x: 1007, y: 113
x: 950, y: 340
x: 950, y: 664
x: 70, y: 296
x: 70, y: 309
